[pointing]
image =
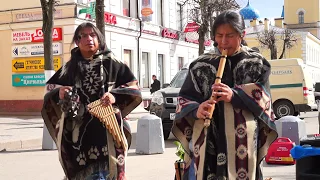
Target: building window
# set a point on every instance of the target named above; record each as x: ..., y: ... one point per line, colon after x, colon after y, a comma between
x: 159, y: 12
x: 146, y: 10
x: 180, y: 63
x: 127, y: 58
x: 179, y: 16
x: 126, y: 7
x: 301, y: 17
x: 160, y: 68
x: 145, y: 70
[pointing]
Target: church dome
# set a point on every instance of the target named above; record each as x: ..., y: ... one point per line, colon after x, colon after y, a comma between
x: 249, y: 12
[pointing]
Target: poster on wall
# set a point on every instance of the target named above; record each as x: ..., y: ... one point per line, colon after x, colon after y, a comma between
x: 33, y: 64
x: 30, y: 50
x: 146, y: 10
x: 19, y: 80
x: 35, y: 35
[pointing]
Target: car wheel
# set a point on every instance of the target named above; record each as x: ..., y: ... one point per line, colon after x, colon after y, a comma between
x: 166, y: 134
x: 283, y: 108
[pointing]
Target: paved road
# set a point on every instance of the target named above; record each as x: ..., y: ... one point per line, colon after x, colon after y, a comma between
x: 34, y: 164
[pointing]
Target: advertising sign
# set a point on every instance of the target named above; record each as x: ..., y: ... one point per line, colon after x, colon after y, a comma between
x: 19, y: 80
x: 30, y: 50
x: 35, y: 35
x: 169, y: 33
x: 34, y: 64
x: 146, y: 10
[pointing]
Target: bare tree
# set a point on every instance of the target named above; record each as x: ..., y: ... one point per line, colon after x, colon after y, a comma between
x: 204, y: 12
x: 99, y: 9
x: 47, y: 26
x: 289, y: 40
x: 270, y: 38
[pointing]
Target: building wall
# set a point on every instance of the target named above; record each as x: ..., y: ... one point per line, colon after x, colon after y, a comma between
x: 311, y: 8
x: 311, y: 53
x: 295, y: 51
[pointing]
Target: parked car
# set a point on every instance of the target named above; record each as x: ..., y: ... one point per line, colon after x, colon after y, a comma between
x: 164, y: 101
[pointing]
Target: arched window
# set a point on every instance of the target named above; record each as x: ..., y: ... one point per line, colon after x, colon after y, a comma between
x: 301, y: 17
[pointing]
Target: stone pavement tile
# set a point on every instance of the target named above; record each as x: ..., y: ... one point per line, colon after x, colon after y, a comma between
x: 20, y: 132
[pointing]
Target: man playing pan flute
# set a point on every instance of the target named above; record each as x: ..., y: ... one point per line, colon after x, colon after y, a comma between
x: 87, y: 150
x: 242, y: 126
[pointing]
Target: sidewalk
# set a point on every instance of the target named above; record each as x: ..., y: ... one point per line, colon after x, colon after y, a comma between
x: 21, y: 132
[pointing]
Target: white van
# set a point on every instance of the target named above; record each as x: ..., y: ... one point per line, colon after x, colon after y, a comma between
x: 291, y: 87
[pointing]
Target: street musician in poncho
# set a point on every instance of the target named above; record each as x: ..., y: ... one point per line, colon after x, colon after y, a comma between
x: 242, y: 126
x: 87, y: 151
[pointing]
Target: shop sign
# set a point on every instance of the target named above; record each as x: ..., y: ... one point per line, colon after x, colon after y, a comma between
x: 191, y: 27
x: 168, y: 33
x: 35, y: 35
x: 32, y: 16
x: 34, y: 50
x: 150, y: 28
x: 19, y: 80
x: 146, y: 11
x: 110, y: 18
x: 34, y: 64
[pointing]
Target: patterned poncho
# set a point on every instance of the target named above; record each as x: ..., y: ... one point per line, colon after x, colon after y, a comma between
x: 240, y: 132
x: 86, y: 148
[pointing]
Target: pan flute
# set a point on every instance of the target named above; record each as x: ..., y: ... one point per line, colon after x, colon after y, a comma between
x: 106, y: 115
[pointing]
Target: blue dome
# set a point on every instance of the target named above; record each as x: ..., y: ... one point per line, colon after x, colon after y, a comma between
x: 249, y: 12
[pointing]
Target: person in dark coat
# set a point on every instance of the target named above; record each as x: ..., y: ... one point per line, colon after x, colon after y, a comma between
x: 155, y: 86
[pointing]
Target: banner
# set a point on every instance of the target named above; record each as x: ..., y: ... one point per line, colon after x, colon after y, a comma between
x: 19, y: 80
x: 35, y: 35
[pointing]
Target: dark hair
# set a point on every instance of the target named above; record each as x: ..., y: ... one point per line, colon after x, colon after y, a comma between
x: 76, y: 36
x: 233, y: 18
x: 74, y: 67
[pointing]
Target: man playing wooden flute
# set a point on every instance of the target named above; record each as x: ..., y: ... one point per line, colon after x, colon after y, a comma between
x: 242, y: 125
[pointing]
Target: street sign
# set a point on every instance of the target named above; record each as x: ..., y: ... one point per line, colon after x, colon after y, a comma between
x: 29, y: 50
x: 34, y: 64
x: 19, y: 80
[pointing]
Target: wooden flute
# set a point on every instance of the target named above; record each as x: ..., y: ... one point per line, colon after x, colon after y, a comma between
x: 218, y: 80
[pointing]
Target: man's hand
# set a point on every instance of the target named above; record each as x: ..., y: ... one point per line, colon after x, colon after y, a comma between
x: 222, y: 91
x: 63, y: 90
x: 108, y: 99
x: 203, y: 110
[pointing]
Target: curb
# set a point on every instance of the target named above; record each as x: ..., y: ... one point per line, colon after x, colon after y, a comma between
x: 22, y: 144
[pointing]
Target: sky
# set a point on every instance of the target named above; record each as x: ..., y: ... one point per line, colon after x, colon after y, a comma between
x: 267, y: 8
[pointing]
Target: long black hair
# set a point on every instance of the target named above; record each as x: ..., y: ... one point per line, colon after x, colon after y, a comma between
x: 75, y: 64
x: 232, y: 18
x: 100, y: 37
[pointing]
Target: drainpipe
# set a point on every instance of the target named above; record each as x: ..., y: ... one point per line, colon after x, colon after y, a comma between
x: 138, y: 42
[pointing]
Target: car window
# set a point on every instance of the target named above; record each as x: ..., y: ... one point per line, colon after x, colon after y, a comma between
x: 317, y: 87
x: 179, y: 78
